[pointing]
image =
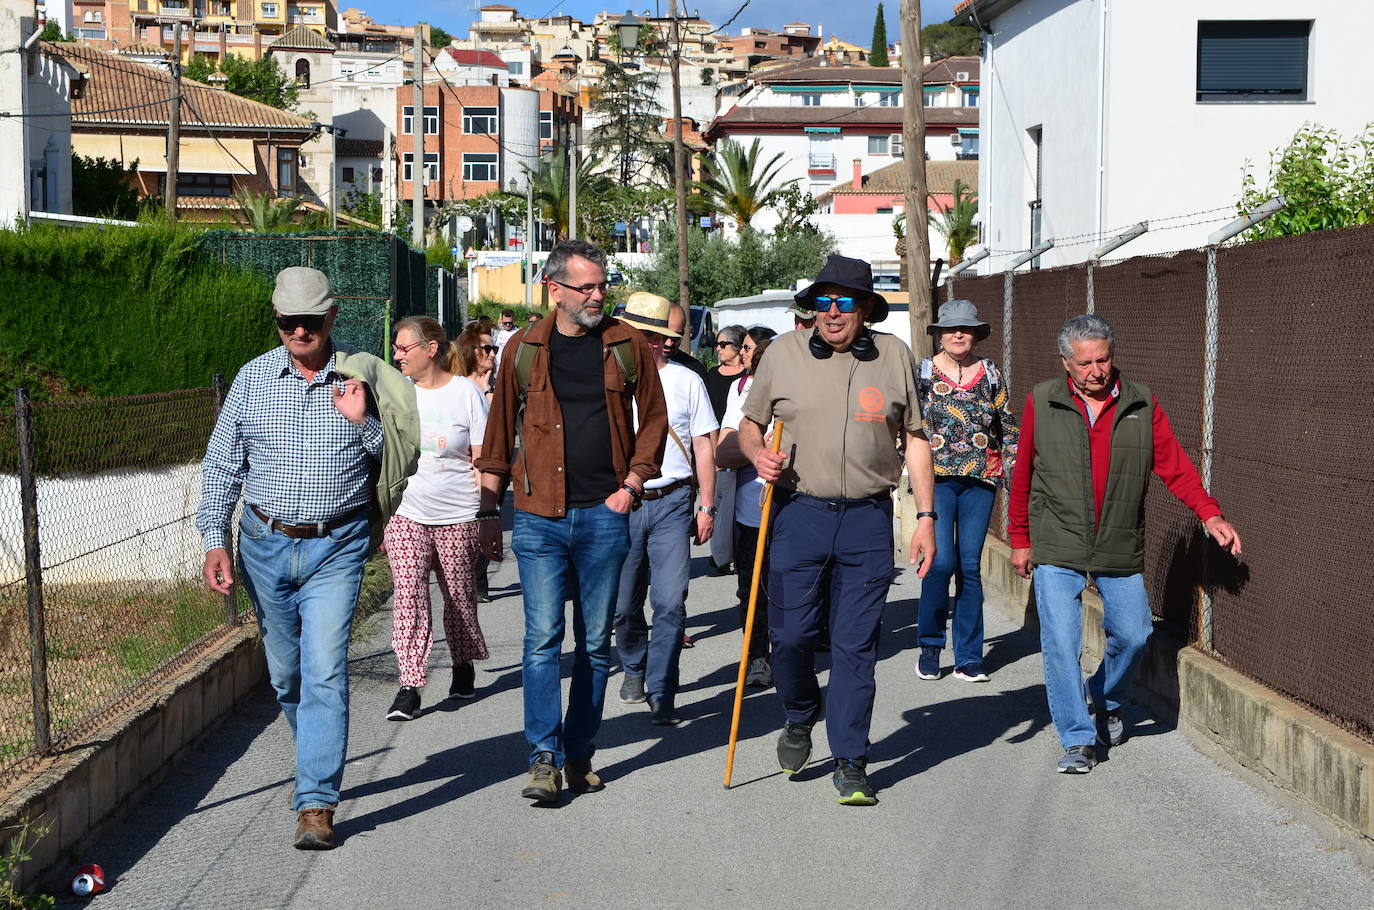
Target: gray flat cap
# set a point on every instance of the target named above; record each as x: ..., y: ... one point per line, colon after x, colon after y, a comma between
x: 302, y: 291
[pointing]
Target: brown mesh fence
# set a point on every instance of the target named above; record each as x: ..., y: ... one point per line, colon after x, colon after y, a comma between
x: 1290, y: 412
x: 116, y: 483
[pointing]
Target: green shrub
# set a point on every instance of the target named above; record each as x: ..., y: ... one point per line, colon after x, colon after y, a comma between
x: 123, y: 311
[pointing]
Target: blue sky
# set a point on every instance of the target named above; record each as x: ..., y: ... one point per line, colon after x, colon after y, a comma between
x: 851, y: 21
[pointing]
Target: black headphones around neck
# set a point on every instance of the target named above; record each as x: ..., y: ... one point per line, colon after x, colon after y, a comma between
x: 863, y: 347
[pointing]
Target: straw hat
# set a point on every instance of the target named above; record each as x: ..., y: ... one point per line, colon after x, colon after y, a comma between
x: 648, y: 313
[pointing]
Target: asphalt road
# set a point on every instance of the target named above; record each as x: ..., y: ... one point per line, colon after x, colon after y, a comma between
x: 971, y: 812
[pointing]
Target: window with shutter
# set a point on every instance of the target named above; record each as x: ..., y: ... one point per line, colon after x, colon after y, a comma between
x: 1252, y: 60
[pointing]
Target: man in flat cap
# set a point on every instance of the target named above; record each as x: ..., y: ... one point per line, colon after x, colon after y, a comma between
x: 304, y: 445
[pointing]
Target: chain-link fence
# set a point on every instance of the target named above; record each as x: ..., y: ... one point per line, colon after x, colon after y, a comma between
x: 1259, y: 354
x: 100, y: 590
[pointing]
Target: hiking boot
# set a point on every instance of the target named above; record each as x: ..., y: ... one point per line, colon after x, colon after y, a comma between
x: 662, y: 713
x: 851, y: 784
x: 972, y: 672
x: 406, y: 706
x: 928, y: 663
x: 545, y: 780
x: 581, y: 777
x: 1077, y: 760
x: 464, y: 683
x: 632, y: 690
x: 315, y: 829
x: 760, y: 675
x: 794, y: 747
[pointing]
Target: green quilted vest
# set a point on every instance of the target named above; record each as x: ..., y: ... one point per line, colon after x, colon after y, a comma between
x: 1062, y: 530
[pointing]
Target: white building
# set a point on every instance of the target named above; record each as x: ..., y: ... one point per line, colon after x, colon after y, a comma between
x: 1103, y: 113
x: 39, y: 141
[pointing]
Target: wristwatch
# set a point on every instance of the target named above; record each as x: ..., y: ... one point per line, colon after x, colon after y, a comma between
x: 709, y: 510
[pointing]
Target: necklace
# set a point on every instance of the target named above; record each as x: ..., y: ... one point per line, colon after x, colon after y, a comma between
x: 960, y: 364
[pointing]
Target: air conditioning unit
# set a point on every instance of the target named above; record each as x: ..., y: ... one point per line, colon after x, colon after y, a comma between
x: 961, y: 77
x: 956, y: 139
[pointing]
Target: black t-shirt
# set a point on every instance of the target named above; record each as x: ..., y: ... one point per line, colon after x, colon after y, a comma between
x: 718, y: 387
x: 577, y: 372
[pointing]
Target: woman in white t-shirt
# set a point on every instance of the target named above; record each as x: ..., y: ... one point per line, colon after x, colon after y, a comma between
x: 437, y: 517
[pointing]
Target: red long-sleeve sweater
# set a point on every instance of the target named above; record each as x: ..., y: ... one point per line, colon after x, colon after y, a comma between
x: 1171, y: 465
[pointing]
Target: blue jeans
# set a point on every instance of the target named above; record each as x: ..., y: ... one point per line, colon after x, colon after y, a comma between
x: 964, y: 506
x: 304, y: 593
x: 575, y: 557
x: 835, y: 552
x: 1127, y: 624
x: 658, y: 565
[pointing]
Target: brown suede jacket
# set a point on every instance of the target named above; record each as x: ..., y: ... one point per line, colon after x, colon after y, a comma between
x: 542, y: 462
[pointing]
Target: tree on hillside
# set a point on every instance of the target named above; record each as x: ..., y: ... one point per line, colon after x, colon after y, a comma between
x: 1327, y: 182
x: 438, y: 37
x: 877, y: 56
x: 257, y: 80
x: 944, y: 39
x: 630, y: 120
x: 738, y: 185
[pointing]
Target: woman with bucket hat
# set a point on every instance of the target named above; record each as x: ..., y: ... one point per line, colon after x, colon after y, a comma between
x: 973, y: 442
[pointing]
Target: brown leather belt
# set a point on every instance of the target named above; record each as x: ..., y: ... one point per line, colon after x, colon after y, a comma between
x: 304, y: 532
x: 660, y: 492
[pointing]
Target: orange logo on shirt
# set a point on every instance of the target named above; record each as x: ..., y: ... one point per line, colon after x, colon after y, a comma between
x: 871, y: 400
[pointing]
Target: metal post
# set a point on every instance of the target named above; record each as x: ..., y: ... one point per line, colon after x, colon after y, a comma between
x: 1092, y: 303
x: 231, y: 606
x: 529, y: 242
x: 1209, y: 391
x: 33, y: 569
x: 333, y: 179
x: 417, y: 131
x: 576, y: 133
x: 679, y: 164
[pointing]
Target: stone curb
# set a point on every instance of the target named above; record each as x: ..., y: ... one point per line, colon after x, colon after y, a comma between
x: 80, y: 788
x: 1301, y: 758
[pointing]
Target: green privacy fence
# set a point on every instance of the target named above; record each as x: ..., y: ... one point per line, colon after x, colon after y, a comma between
x: 377, y: 278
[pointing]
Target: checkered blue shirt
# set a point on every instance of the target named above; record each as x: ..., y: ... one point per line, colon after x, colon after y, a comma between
x: 282, y: 442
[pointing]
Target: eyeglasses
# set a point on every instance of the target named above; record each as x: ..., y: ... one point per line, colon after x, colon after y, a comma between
x: 288, y: 324
x: 585, y: 290
x: 844, y: 304
x: 489, y: 348
x: 508, y: 322
x: 406, y: 348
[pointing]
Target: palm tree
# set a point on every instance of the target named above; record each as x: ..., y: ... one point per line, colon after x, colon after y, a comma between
x: 956, y: 221
x: 552, y: 189
x: 738, y: 185
x: 265, y: 214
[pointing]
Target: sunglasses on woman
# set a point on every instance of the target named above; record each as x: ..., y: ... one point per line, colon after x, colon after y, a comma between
x: 489, y: 348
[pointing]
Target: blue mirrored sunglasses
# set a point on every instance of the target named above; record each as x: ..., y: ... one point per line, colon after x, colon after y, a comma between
x: 845, y: 304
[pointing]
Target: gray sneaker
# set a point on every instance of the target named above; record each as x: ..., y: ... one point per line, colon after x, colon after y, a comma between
x: 1111, y: 727
x: 760, y: 675
x: 794, y: 747
x: 1077, y: 760
x: 632, y: 690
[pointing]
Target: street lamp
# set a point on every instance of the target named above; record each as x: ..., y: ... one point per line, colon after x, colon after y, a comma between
x: 529, y: 237
x: 627, y: 30
x: 335, y: 133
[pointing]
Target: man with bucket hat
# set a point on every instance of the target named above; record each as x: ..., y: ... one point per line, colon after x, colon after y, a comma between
x: 846, y: 396
x: 973, y: 440
x: 658, y: 564
x: 318, y: 457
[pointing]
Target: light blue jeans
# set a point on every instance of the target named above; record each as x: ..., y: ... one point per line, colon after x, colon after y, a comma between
x: 577, y: 557
x: 1125, y: 620
x: 304, y: 593
x: 657, y: 567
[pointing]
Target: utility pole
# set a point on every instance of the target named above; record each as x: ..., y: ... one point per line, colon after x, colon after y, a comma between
x: 333, y: 178
x: 529, y: 241
x: 417, y: 158
x: 917, y: 265
x: 575, y: 134
x: 679, y: 164
x: 174, y: 129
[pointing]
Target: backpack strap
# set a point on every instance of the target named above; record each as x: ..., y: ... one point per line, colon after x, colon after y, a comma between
x: 625, y: 356
x: 924, y: 383
x: 524, y: 365
x: 994, y: 378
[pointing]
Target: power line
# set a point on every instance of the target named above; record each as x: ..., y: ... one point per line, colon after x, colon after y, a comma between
x: 20, y: 115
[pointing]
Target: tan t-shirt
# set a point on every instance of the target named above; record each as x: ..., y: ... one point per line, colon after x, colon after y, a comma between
x: 840, y: 415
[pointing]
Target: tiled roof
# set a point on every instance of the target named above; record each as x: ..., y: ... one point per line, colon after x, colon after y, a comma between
x: 810, y: 71
x: 124, y: 92
x: 940, y: 177
x: 359, y: 148
x: 144, y: 49
x: 691, y: 137
x: 799, y: 117
x: 948, y: 70
x: 476, y: 58
x: 303, y: 38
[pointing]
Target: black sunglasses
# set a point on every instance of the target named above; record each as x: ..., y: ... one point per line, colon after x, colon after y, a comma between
x: 288, y: 324
x: 489, y: 348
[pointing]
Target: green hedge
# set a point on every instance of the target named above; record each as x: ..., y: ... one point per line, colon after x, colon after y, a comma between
x: 123, y: 311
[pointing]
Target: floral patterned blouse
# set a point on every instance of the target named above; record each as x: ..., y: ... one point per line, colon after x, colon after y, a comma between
x: 971, y: 427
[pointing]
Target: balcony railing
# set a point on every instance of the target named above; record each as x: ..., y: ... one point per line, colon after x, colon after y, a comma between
x: 966, y: 156
x: 821, y: 161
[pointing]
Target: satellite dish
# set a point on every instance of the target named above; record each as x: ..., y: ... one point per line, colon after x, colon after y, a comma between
x: 464, y: 223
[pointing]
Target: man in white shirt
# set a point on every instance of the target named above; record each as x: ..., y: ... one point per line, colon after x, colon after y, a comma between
x: 659, y: 561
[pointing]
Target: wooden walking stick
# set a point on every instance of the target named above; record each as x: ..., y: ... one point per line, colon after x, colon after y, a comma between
x: 753, y: 604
